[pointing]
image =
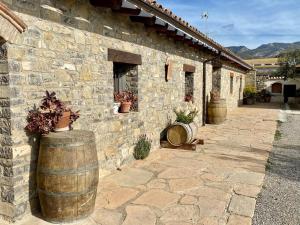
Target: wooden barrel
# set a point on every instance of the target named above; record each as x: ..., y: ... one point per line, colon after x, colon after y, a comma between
x: 180, y: 133
x: 217, y: 112
x: 67, y: 175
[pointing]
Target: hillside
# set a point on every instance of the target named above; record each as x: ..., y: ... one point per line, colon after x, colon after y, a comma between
x: 265, y: 50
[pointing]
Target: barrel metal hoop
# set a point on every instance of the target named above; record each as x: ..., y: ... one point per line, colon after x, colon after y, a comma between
x: 78, y: 170
x: 63, y: 145
x: 69, y: 194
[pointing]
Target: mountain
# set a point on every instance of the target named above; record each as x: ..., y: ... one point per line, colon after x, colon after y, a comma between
x: 264, y: 51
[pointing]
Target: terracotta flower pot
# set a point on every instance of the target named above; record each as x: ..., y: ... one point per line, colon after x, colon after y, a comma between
x: 125, y: 107
x: 64, y: 122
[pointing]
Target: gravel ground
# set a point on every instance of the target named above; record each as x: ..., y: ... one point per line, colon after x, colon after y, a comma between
x: 279, y: 201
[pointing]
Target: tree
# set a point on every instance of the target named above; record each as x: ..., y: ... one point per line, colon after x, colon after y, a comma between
x: 289, y: 64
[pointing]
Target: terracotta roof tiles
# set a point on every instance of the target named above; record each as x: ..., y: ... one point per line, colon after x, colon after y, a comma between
x: 169, y: 13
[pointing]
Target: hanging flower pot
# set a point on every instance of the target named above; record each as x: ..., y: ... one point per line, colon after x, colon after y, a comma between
x: 63, y: 122
x: 125, y: 107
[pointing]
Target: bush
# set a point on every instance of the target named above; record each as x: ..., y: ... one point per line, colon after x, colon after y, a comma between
x: 186, y: 114
x: 142, y: 148
x: 249, y: 91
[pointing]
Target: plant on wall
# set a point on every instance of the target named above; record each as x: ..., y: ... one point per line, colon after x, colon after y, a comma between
x: 45, y: 118
x: 186, y: 114
x: 142, y: 148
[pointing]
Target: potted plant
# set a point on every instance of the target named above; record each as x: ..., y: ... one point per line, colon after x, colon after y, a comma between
x: 52, y: 115
x: 127, y: 100
x: 250, y: 95
x: 267, y: 96
x: 184, y: 129
x: 186, y: 114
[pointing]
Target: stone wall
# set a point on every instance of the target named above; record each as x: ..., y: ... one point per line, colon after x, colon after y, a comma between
x: 6, y: 154
x: 216, y: 79
x: 65, y: 50
x: 250, y: 79
x: 235, y: 98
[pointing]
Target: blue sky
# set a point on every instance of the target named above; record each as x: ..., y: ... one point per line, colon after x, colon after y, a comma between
x: 242, y: 22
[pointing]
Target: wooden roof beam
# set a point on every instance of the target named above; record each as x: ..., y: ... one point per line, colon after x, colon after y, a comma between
x: 144, y: 17
x: 114, y: 4
x: 127, y: 8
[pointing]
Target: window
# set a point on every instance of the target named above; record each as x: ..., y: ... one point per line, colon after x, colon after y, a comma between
x: 189, y: 86
x: 277, y: 88
x: 126, y: 79
x: 231, y: 84
x: 3, y: 50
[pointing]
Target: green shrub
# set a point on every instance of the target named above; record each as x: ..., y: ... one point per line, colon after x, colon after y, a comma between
x: 277, y: 135
x: 142, y: 148
x: 249, y: 91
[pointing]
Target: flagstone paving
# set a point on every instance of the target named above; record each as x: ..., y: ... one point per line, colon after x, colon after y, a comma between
x: 216, y: 185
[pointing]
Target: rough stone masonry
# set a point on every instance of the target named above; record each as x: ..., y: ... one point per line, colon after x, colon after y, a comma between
x: 64, y: 49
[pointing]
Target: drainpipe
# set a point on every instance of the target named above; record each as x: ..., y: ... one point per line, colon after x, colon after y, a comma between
x: 204, y: 87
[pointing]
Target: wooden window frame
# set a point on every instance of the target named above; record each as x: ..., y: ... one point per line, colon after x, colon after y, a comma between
x: 118, y: 56
x: 189, y: 68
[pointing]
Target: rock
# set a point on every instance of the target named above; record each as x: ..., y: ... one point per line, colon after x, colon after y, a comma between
x: 139, y: 215
x: 209, y: 221
x: 107, y: 217
x: 242, y: 205
x: 247, y: 190
x: 62, y: 75
x: 239, y: 220
x: 156, y: 184
x: 85, y: 73
x: 185, y: 184
x: 157, y: 198
x: 210, y: 193
x: 184, y: 213
x: 68, y: 66
x: 117, y: 197
x: 188, y: 200
x: 131, y: 177
x: 211, y: 207
x: 172, y: 173
x: 244, y: 177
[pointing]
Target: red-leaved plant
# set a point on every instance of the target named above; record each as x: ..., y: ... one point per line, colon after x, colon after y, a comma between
x: 42, y: 120
x: 125, y: 96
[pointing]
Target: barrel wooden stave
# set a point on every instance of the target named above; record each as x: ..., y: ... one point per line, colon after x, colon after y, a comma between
x: 179, y: 133
x: 68, y: 175
x: 217, y: 112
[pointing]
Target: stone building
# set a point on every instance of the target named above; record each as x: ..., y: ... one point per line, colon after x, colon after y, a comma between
x: 267, y: 78
x: 266, y: 68
x: 84, y: 51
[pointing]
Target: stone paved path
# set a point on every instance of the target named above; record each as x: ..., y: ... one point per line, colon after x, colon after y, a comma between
x: 279, y: 201
x: 218, y: 184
